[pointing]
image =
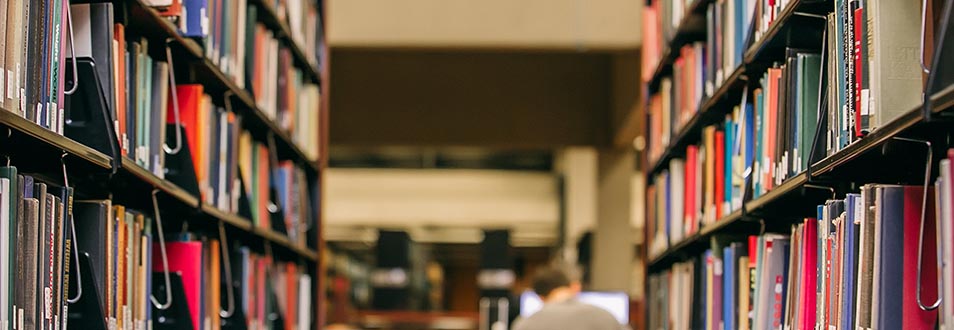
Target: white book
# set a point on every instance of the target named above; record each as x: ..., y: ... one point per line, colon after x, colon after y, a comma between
x: 304, y: 302
x: 677, y: 170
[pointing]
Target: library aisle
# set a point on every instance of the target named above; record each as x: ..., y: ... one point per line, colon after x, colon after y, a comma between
x: 476, y: 165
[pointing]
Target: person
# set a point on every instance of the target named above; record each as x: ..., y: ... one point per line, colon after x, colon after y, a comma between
x: 561, y: 310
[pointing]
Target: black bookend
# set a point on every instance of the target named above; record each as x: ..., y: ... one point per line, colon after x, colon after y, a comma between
x: 237, y: 320
x: 87, y: 313
x: 245, y: 204
x: 179, y: 167
x: 177, y: 316
x: 89, y: 119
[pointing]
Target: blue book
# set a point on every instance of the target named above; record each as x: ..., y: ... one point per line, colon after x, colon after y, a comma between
x: 730, y: 267
x: 196, y: 12
x: 890, y: 204
x: 707, y: 261
x: 749, y: 133
x: 850, y: 259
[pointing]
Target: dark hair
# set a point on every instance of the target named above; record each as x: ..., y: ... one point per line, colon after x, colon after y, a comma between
x: 548, y: 279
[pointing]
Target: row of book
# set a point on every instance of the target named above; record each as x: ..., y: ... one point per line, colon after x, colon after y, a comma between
x: 267, y: 294
x: 254, y: 57
x: 865, y: 90
x: 678, y: 98
x: 728, y: 26
x: 35, y: 60
x: 35, y: 252
x: 231, y: 168
x: 727, y: 30
x: 115, y: 249
x: 856, y: 265
x: 32, y: 76
x: 763, y: 141
x: 217, y: 148
x: 660, y: 21
x: 861, y: 91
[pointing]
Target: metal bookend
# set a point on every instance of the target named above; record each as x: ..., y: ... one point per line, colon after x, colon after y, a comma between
x: 165, y: 258
x: 175, y: 103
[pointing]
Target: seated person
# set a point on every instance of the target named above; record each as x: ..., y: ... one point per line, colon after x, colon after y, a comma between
x: 561, y: 310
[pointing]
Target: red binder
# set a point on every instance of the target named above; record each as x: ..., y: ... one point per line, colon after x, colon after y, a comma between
x: 184, y: 258
x: 912, y: 317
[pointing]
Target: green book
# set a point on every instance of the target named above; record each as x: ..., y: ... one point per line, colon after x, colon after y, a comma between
x: 809, y: 70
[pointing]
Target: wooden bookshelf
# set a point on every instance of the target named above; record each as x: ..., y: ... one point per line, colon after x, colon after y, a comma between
x: 217, y: 83
x: 271, y: 19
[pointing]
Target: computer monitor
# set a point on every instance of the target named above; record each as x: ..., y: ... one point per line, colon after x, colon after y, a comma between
x: 616, y: 303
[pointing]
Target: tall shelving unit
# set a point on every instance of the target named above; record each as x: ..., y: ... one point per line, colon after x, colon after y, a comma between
x: 876, y: 158
x: 49, y: 156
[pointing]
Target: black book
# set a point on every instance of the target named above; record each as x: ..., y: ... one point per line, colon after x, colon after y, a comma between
x: 91, y: 219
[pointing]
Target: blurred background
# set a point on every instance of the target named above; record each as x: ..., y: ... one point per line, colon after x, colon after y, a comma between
x: 473, y: 142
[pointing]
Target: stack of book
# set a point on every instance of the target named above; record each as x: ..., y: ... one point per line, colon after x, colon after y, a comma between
x: 727, y: 30
x: 768, y: 135
x: 873, y: 67
x: 786, y: 114
x: 255, y: 57
x: 185, y: 134
x: 851, y: 267
x: 36, y: 251
x: 765, y: 14
x: 678, y: 98
x: 32, y: 71
x: 265, y: 288
x: 661, y: 19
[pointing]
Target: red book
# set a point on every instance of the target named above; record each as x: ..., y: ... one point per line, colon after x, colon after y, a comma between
x: 807, y: 294
x: 692, y: 152
x: 185, y: 258
x: 719, y: 170
x: 912, y: 317
x: 858, y: 73
x: 190, y: 99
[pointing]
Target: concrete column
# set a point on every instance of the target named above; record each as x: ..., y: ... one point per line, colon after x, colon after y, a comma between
x: 614, y: 238
x: 579, y: 167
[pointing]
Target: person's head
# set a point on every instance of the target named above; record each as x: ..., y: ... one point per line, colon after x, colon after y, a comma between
x: 556, y: 283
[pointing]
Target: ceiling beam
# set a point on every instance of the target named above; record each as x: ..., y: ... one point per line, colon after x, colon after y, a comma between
x: 599, y: 25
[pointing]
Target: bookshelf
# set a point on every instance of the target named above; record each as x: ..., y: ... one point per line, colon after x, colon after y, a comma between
x: 880, y: 156
x: 52, y: 158
x: 845, y: 160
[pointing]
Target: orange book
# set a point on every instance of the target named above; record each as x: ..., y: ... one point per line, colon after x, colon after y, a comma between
x: 191, y: 118
x: 215, y: 282
x: 173, y: 10
x: 121, y: 252
x: 119, y: 36
x: 291, y: 296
